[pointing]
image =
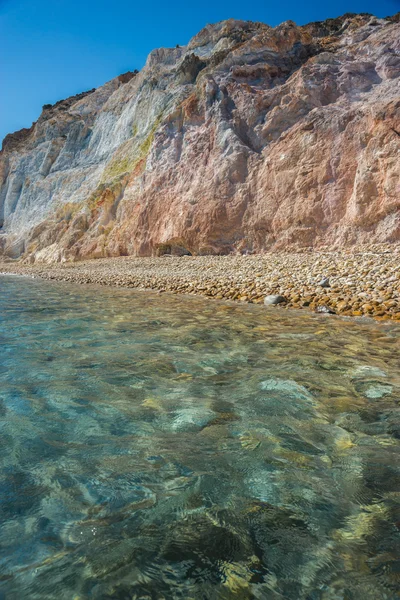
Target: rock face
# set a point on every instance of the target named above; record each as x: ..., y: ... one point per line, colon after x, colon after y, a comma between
x: 250, y: 138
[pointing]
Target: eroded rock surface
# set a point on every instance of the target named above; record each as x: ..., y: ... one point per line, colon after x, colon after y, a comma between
x: 250, y: 138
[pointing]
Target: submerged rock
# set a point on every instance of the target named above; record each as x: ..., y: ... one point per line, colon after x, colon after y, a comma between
x: 367, y: 371
x: 287, y: 386
x: 378, y: 391
x: 192, y: 419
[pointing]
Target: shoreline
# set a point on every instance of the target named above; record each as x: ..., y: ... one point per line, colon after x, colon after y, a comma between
x: 365, y: 283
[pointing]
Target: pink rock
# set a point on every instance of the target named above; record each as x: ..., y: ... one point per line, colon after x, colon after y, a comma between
x: 249, y: 139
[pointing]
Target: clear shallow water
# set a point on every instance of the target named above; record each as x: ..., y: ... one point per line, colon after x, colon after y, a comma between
x: 165, y: 447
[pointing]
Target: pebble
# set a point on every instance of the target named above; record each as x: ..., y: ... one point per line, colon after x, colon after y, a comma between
x: 322, y: 308
x: 363, y: 282
x: 324, y: 283
x: 274, y: 299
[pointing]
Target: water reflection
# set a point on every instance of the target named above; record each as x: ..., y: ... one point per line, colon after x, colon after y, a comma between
x: 165, y: 447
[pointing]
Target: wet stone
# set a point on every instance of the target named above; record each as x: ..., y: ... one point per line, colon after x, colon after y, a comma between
x: 274, y: 299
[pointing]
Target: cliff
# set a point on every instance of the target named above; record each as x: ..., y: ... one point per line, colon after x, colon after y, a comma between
x: 250, y: 138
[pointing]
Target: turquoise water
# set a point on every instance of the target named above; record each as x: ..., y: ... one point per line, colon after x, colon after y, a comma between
x: 161, y: 447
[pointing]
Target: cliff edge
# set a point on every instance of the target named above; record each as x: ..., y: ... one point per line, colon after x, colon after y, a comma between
x: 250, y: 138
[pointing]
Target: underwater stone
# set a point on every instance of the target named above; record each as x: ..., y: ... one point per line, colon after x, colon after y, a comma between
x: 367, y: 371
x: 378, y: 391
x: 286, y: 386
x: 192, y: 419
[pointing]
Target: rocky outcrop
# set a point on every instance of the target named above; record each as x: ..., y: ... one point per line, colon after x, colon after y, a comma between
x: 249, y: 138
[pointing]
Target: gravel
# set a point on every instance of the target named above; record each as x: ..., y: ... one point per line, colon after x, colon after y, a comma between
x: 360, y: 283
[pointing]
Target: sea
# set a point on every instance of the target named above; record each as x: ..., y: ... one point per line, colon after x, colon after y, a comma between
x: 162, y: 447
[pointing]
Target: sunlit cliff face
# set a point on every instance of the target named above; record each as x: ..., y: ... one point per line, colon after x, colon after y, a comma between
x: 249, y: 138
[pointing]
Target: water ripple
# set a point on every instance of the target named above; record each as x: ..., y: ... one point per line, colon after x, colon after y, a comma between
x: 170, y: 448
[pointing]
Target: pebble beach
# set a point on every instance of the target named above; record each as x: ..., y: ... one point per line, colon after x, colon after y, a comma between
x: 363, y: 283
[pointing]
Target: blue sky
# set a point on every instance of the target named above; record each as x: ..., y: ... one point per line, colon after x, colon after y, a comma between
x: 51, y: 49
